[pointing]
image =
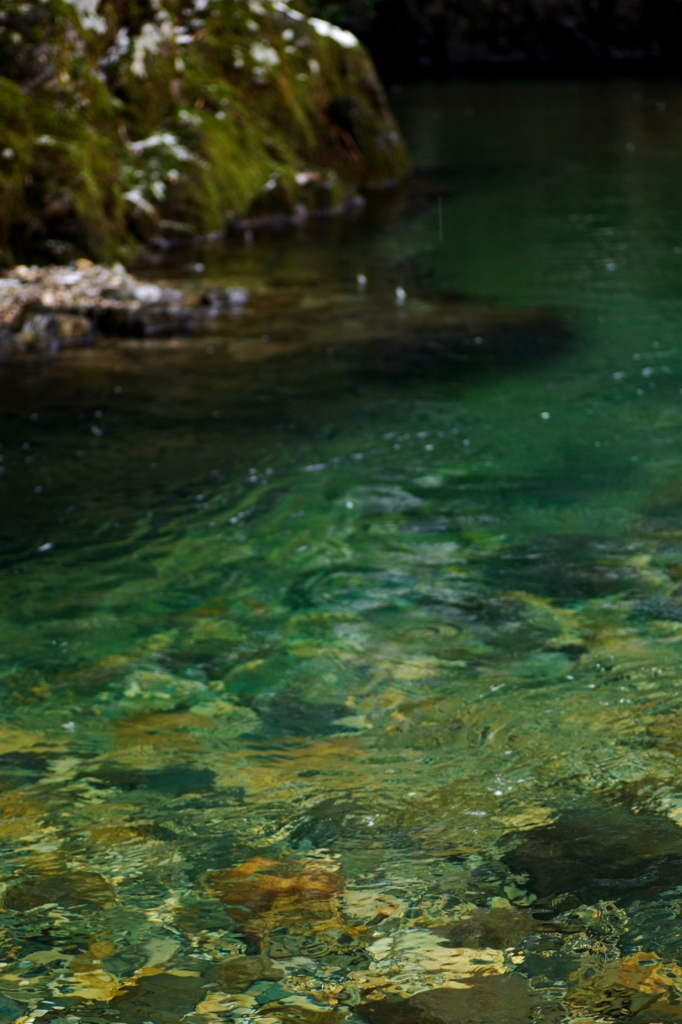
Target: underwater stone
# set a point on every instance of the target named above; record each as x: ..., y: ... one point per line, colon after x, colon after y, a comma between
x: 238, y: 973
x: 49, y: 331
x: 501, y: 999
x: 75, y: 889
x: 9, y: 1010
x: 52, y: 307
x: 162, y: 998
x: 599, y: 853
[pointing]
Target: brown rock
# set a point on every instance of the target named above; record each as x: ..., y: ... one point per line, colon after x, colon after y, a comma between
x: 238, y: 973
x: 490, y: 928
x: 254, y: 886
x: 73, y: 889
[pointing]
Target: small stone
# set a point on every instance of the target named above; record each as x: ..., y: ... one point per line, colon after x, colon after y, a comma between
x: 51, y: 331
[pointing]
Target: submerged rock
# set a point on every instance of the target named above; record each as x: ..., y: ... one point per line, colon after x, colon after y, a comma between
x: 259, y: 883
x: 9, y: 1010
x: 602, y: 853
x: 127, y: 123
x: 68, y: 889
x: 491, y: 927
x: 282, y: 907
x: 238, y: 973
x: 491, y: 999
x: 160, y: 997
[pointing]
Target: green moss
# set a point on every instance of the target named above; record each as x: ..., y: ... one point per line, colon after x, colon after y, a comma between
x: 169, y: 118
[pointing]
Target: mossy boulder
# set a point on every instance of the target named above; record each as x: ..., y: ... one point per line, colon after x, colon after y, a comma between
x: 127, y: 121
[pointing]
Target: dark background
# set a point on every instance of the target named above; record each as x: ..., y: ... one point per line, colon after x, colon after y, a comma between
x: 413, y: 39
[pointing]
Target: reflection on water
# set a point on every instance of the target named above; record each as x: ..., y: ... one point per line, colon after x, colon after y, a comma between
x: 340, y: 647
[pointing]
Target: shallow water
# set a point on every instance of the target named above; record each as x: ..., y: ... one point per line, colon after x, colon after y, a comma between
x: 340, y: 646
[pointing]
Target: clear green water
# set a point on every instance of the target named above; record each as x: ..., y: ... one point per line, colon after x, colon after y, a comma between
x: 349, y: 686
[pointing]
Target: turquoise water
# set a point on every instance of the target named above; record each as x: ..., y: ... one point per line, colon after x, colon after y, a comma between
x: 340, y: 643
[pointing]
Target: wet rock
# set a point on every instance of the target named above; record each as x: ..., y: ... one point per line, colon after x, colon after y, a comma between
x: 280, y: 899
x: 52, y: 307
x: 602, y: 853
x: 46, y: 332
x: 501, y: 999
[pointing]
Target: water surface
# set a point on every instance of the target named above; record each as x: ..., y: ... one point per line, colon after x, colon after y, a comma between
x: 340, y: 645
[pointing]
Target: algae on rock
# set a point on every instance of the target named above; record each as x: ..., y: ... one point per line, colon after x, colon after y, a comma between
x: 142, y: 120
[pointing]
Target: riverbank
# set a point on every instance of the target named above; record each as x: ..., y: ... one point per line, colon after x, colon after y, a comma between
x: 45, y: 309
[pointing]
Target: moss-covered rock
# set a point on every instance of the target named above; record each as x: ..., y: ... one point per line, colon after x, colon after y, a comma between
x: 127, y: 121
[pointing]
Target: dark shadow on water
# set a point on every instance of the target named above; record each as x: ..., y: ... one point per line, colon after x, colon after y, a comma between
x: 565, y: 568
x: 501, y: 340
